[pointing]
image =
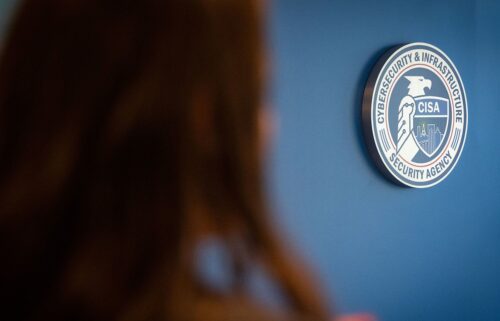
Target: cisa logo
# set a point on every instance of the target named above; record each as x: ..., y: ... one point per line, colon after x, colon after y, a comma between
x: 415, y: 115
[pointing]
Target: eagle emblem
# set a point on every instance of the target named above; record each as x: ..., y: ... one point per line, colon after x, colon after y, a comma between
x: 422, y: 120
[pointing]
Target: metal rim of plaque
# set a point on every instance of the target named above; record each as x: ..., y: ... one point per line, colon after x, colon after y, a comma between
x: 415, y: 115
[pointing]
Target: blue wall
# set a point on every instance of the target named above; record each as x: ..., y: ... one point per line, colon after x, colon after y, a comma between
x: 6, y: 8
x: 405, y: 254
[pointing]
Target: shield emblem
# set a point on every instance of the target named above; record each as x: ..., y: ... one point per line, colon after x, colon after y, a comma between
x: 430, y: 123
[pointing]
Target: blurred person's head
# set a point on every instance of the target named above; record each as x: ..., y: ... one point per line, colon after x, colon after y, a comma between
x: 129, y: 132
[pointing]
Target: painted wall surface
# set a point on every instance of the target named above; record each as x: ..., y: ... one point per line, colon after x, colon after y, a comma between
x: 405, y: 254
x: 6, y: 8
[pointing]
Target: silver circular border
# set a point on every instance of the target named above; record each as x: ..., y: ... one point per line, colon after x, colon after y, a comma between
x: 367, y: 110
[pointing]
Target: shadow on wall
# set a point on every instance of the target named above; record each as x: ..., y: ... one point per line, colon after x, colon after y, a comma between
x: 358, y: 100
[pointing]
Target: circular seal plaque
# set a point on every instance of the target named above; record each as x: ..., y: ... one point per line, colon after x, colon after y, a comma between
x: 415, y: 115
